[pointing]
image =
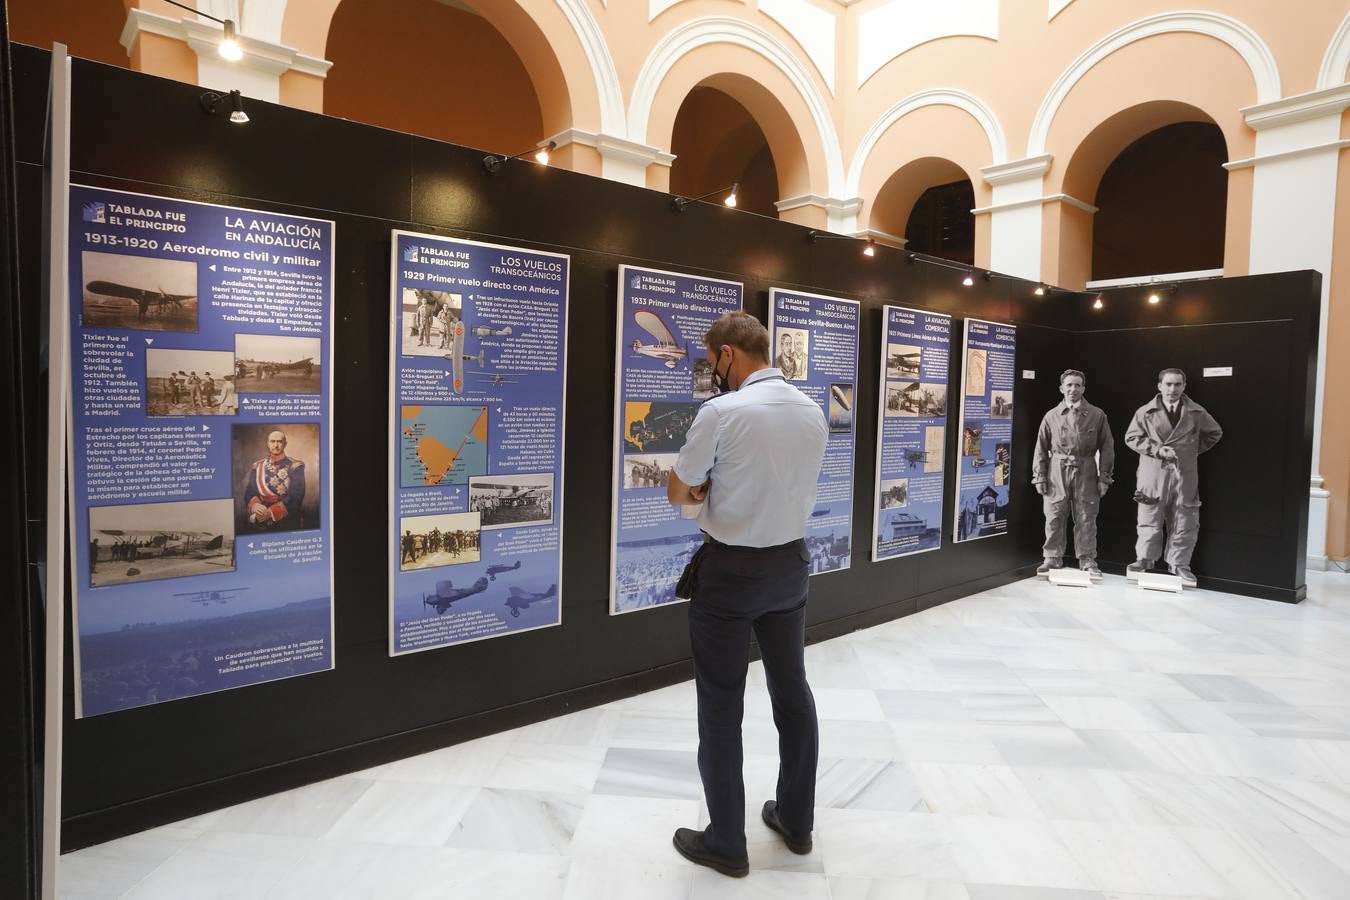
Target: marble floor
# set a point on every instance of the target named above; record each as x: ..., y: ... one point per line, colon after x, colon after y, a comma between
x: 1027, y: 743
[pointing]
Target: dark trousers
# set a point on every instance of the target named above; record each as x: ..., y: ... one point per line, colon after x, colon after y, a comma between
x: 740, y: 591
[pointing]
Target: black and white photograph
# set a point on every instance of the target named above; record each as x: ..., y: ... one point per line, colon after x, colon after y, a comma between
x: 647, y: 470
x: 903, y: 361
x: 1002, y: 463
x: 656, y: 427
x: 840, y: 408
x: 916, y: 399
x: 276, y: 364
x: 428, y: 321
x: 703, y: 379
x: 792, y: 352
x: 894, y: 493
x: 506, y: 501
x: 1000, y: 404
x: 276, y: 477
x: 138, y: 292
x: 189, y: 383
x: 429, y: 542
x: 150, y: 541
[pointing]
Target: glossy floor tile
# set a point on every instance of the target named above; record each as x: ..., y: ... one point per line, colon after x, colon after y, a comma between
x: 1027, y: 743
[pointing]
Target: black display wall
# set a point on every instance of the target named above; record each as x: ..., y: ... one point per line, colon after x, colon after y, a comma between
x: 137, y: 768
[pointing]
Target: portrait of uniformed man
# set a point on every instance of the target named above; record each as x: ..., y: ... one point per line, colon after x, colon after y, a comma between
x: 787, y: 359
x: 1073, y: 468
x: 274, y: 489
x: 1169, y: 433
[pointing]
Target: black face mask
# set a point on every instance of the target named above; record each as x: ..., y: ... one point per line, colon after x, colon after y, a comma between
x: 720, y: 383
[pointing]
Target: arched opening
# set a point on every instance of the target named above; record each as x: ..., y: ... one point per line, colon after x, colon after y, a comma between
x: 453, y: 77
x: 718, y: 143
x: 89, y: 29
x: 1162, y: 204
x: 928, y: 201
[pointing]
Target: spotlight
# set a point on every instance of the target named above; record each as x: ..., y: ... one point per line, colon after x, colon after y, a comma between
x: 869, y: 245
x: 987, y: 275
x: 870, y: 248
x: 911, y: 258
x: 491, y: 163
x: 211, y: 102
x: 679, y: 203
x: 1154, y: 298
x: 1040, y: 290
x: 1098, y: 304
x: 969, y: 280
x: 229, y: 45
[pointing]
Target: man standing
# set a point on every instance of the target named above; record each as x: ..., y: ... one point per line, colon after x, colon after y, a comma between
x: 751, y: 457
x: 787, y: 361
x: 1169, y: 433
x: 426, y: 315
x: 799, y: 358
x: 274, y: 490
x: 1069, y: 477
x: 447, y: 317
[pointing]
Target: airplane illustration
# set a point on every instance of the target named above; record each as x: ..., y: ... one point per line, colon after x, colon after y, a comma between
x: 447, y: 594
x: 839, y: 397
x: 665, y: 348
x: 207, y: 597
x: 494, y: 571
x: 144, y: 299
x: 979, y: 462
x: 493, y: 379
x: 488, y: 331
x: 457, y: 356
x: 904, y: 362
x: 820, y: 511
x: 521, y: 599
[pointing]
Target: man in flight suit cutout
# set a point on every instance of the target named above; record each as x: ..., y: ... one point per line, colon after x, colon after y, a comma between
x: 1068, y: 475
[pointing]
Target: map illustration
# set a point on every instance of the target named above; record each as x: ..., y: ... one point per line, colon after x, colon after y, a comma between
x: 442, y: 445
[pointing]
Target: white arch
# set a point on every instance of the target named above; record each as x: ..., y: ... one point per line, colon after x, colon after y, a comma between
x: 1337, y: 60
x: 607, y: 87
x: 723, y: 30
x: 977, y: 108
x: 1265, y: 71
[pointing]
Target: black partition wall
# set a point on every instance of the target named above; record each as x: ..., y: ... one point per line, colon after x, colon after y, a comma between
x: 132, y: 769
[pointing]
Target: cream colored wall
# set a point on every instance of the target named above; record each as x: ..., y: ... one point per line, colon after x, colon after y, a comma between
x: 609, y: 73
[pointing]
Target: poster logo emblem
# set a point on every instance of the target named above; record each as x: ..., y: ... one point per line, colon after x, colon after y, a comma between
x: 636, y: 282
x: 96, y: 212
x: 410, y: 255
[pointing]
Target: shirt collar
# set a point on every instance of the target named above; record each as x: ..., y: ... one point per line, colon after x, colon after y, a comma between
x: 761, y: 375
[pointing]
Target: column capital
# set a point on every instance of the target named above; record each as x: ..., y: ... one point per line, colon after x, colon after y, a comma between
x: 262, y: 64
x: 1018, y: 170
x: 620, y: 159
x: 841, y: 214
x: 1298, y: 108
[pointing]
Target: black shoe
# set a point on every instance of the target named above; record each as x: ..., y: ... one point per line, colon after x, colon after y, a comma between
x: 689, y: 843
x: 800, y: 846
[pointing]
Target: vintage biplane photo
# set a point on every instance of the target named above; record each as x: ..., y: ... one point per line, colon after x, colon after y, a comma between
x: 427, y: 321
x: 149, y: 541
x: 275, y: 364
x: 507, y: 501
x: 666, y: 347
x: 903, y: 361
x: 138, y: 292
x: 189, y: 382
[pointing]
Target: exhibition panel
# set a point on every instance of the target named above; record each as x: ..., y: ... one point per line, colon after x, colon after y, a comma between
x: 984, y: 466
x: 175, y: 759
x: 911, y: 431
x: 200, y: 446
x: 477, y: 355
x: 662, y: 374
x: 813, y: 340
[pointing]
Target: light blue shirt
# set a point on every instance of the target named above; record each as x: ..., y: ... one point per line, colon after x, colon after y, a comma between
x: 762, y: 447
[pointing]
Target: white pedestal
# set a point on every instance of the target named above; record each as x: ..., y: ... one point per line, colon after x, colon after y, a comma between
x: 1156, y: 581
x: 1070, y: 578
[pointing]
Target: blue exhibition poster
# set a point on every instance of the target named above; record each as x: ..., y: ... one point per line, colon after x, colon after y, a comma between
x: 478, y: 365
x: 911, y: 432
x: 984, y: 448
x: 814, y: 341
x: 201, y: 436
x: 663, y: 375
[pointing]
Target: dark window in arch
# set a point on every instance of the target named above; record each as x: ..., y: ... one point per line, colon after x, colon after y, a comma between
x: 1162, y: 204
x: 941, y: 224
